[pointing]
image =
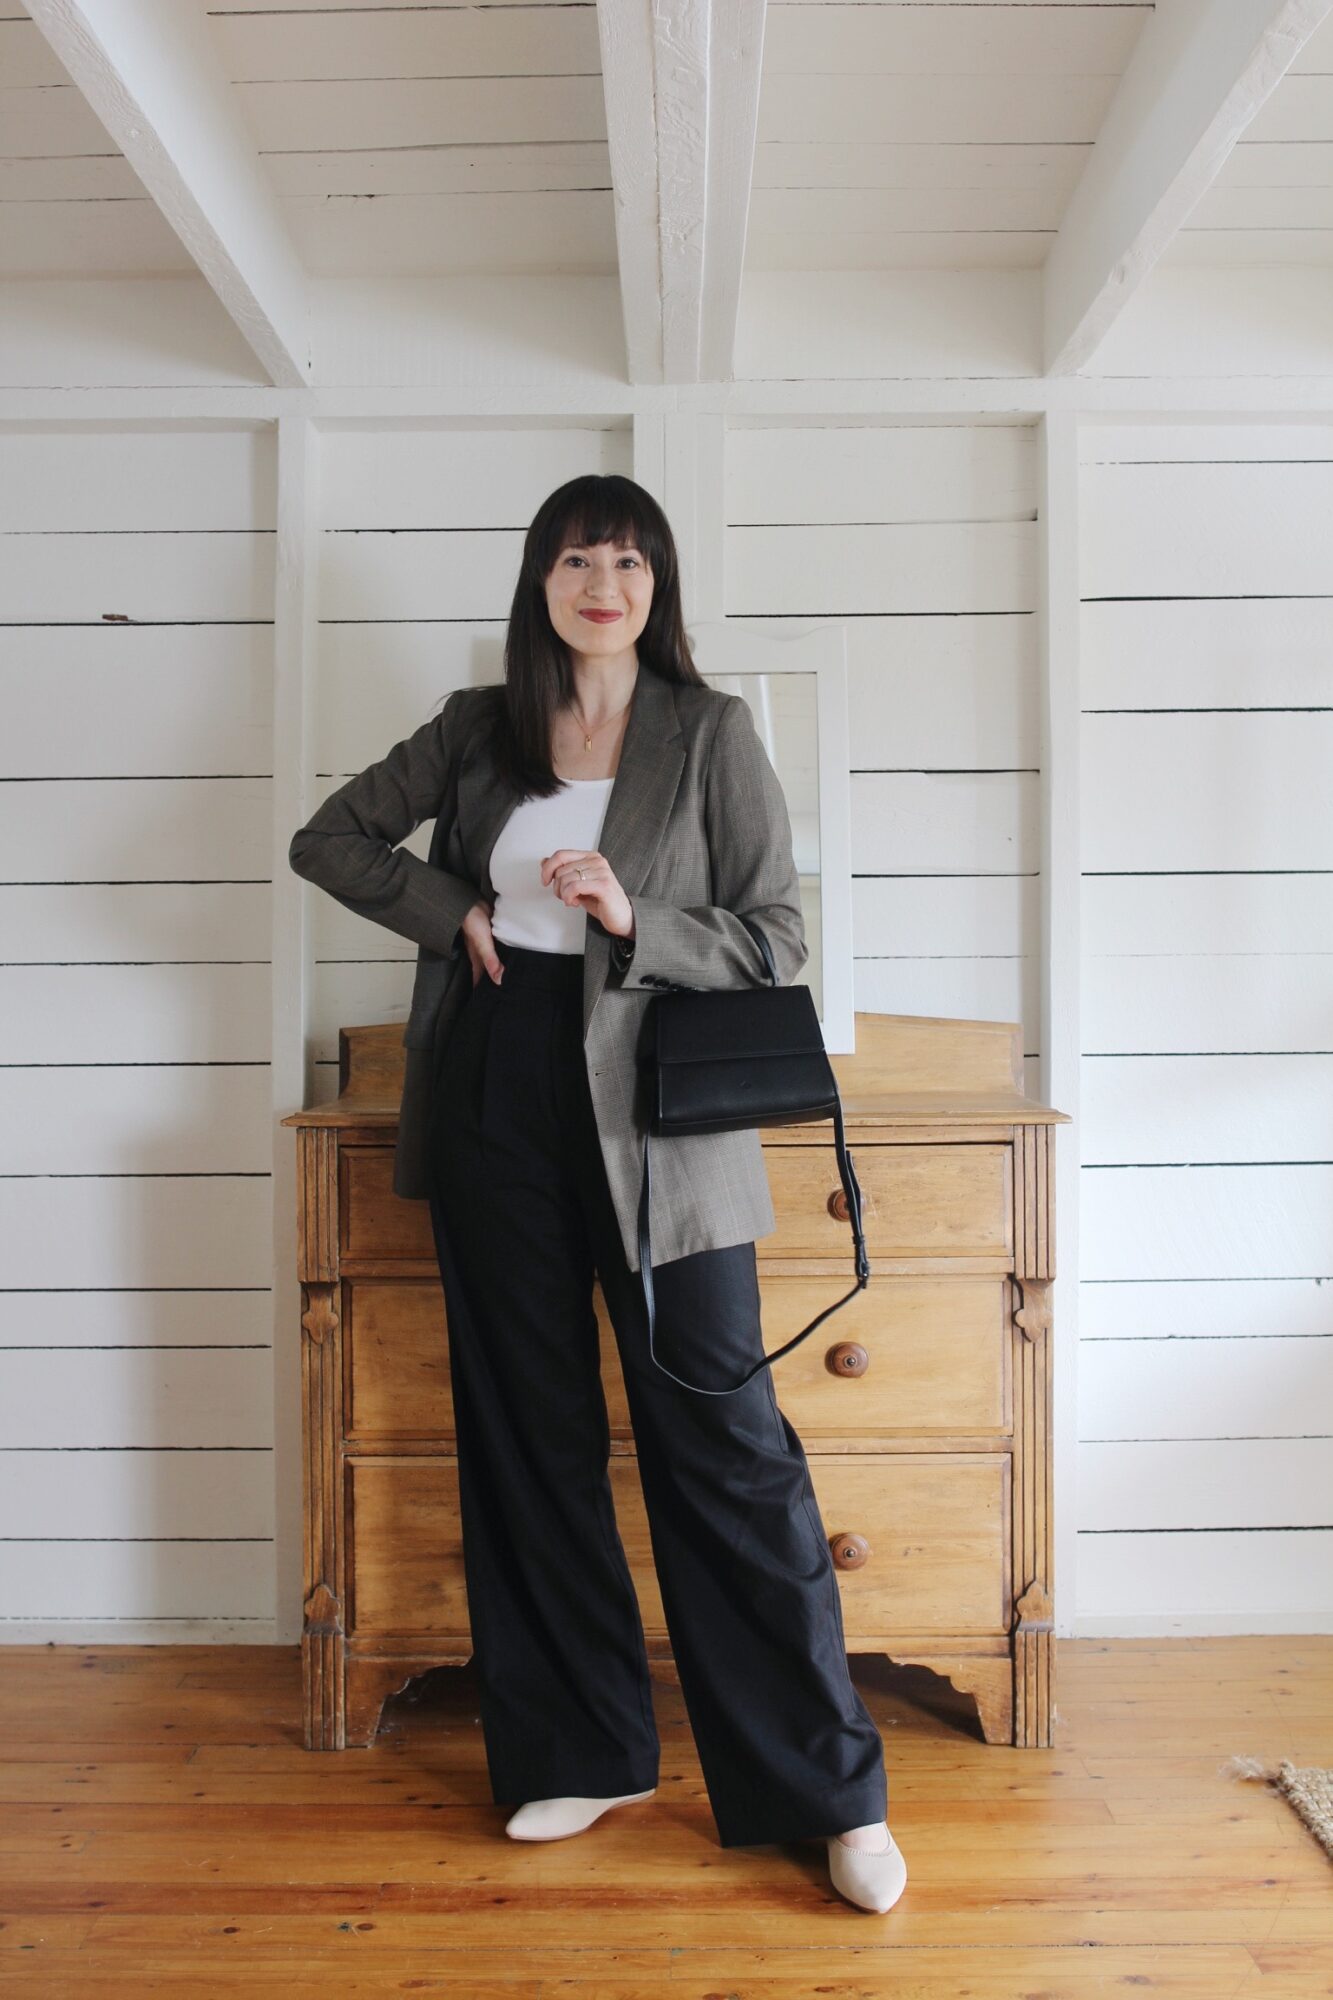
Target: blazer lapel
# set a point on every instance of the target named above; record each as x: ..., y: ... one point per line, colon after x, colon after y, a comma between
x: 652, y: 757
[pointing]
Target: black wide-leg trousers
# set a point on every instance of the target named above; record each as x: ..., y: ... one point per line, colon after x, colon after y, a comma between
x: 523, y: 1220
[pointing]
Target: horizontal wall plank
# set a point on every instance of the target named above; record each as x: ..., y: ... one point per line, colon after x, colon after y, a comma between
x: 121, y: 1582
x: 135, y: 1115
x: 945, y: 822
x: 1219, y: 1483
x: 155, y: 579
x: 137, y: 1398
x: 1175, y: 915
x: 944, y: 693
x: 1241, y: 1580
x: 1238, y: 1002
x: 142, y: 1494
x: 1207, y: 792
x: 151, y: 480
x: 1268, y: 652
x: 172, y: 1230
x: 152, y: 700
x: 906, y: 916
x: 1204, y: 1221
x: 1215, y: 530
x: 1253, y: 1406
x: 408, y: 574
x: 125, y: 923
x: 846, y: 571
x: 1238, y: 1108
x: 1204, y: 1308
x: 143, y: 1014
x: 377, y: 685
x: 135, y: 1317
x: 138, y: 830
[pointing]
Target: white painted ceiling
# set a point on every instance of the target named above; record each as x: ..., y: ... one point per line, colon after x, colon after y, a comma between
x: 428, y: 140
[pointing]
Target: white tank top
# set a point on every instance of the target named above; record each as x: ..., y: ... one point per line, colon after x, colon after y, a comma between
x: 528, y: 912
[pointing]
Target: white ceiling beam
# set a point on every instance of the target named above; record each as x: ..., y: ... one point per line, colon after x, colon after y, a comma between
x: 681, y: 80
x: 148, y: 70
x: 1199, y: 72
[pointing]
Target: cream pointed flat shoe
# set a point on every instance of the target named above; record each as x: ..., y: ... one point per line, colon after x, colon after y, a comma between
x: 872, y: 1878
x: 556, y: 1819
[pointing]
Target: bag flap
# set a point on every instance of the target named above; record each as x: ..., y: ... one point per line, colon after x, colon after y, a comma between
x: 755, y: 1022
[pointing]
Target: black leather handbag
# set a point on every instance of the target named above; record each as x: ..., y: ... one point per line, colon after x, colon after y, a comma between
x: 726, y: 1061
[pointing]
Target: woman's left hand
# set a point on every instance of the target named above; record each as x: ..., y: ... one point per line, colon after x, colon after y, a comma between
x: 584, y: 880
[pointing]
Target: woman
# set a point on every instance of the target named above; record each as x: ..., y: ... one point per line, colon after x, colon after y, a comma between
x: 601, y: 818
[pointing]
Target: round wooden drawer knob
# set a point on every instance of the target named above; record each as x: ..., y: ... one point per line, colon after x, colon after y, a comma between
x: 850, y: 1551
x: 847, y: 1358
x: 837, y: 1205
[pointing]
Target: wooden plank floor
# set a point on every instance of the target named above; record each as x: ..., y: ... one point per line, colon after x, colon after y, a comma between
x: 162, y: 1831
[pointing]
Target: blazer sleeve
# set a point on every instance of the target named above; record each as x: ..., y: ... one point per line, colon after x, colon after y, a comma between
x: 350, y: 846
x: 706, y: 946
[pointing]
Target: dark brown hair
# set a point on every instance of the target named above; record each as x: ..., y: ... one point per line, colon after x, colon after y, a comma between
x: 595, y: 507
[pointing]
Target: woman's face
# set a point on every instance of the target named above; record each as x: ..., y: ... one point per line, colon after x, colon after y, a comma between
x: 610, y: 577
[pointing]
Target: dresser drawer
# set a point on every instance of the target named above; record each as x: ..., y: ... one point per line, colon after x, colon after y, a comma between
x: 935, y: 1527
x: 395, y: 1360
x: 916, y: 1201
x: 404, y: 1549
x: 375, y: 1224
x: 923, y: 1355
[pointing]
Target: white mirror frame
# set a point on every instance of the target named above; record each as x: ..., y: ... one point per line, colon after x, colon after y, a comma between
x: 726, y: 647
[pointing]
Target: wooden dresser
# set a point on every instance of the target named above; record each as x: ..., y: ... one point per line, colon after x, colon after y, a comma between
x: 924, y: 1405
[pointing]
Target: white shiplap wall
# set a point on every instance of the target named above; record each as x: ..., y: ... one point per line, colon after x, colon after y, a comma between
x: 136, y: 1371
x: 137, y: 1366
x: 1206, y: 1217
x: 922, y: 541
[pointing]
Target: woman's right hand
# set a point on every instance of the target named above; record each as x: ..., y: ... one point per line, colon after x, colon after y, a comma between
x: 476, y: 928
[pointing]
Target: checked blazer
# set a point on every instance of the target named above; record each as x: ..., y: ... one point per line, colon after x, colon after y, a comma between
x: 697, y: 833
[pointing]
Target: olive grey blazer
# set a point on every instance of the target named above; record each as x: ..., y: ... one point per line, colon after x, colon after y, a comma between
x: 697, y: 834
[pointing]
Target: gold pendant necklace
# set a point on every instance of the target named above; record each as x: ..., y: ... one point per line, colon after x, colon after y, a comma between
x: 587, y: 740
